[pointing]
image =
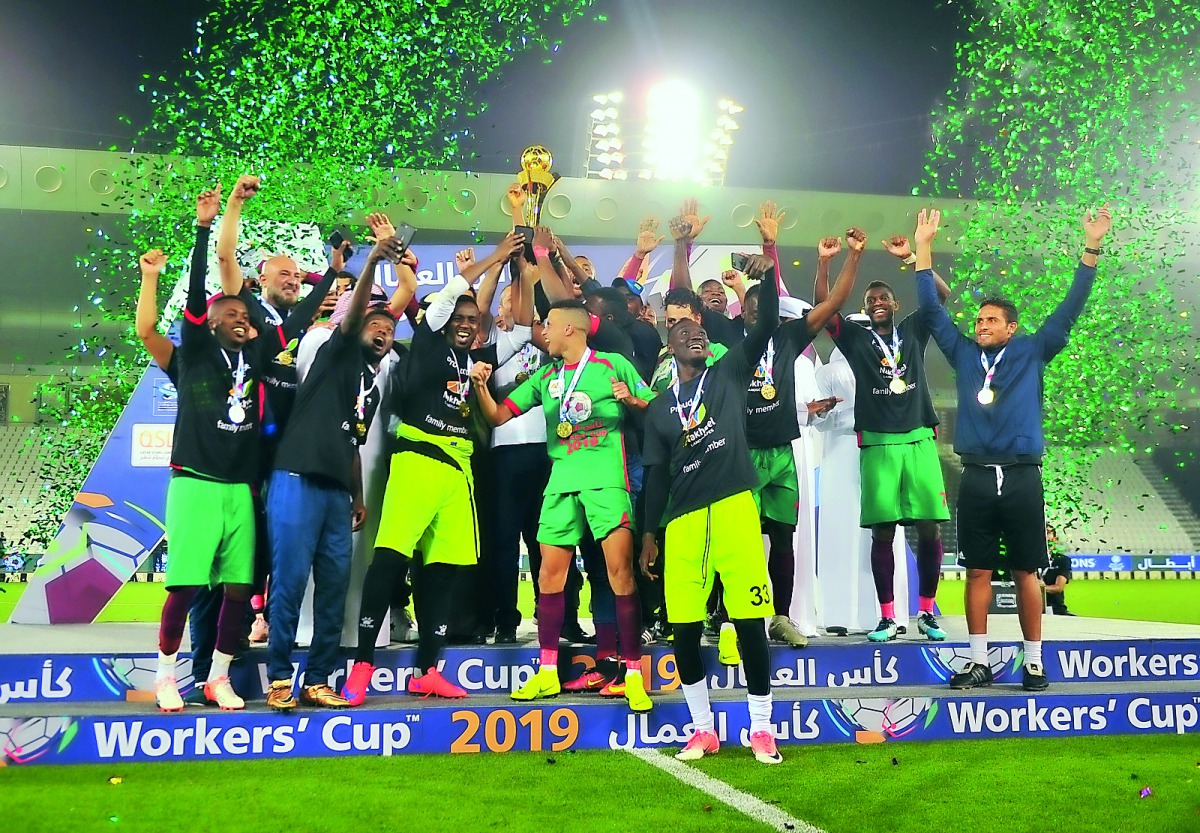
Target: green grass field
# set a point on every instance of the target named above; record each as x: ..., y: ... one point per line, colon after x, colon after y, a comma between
x: 1146, y: 601
x: 1143, y: 601
x: 1089, y: 784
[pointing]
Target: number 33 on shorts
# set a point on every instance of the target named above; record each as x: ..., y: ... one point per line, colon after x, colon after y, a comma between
x: 761, y: 595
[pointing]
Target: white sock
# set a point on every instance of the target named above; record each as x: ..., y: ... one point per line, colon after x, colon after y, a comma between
x: 727, y: 626
x: 696, y: 695
x: 1033, y: 652
x: 166, y: 666
x: 760, y: 713
x: 979, y: 652
x: 220, y: 666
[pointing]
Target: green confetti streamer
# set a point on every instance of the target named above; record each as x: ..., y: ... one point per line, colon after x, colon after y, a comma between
x: 321, y: 101
x: 1058, y: 106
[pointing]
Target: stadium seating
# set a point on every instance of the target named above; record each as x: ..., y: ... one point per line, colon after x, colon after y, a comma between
x: 1138, y: 518
x: 21, y: 486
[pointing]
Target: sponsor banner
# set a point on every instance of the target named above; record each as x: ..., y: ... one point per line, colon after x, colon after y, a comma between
x: 206, y: 735
x: 26, y: 678
x: 1135, y: 563
x: 1112, y: 563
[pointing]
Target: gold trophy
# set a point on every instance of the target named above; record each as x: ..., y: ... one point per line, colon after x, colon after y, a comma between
x: 537, y: 179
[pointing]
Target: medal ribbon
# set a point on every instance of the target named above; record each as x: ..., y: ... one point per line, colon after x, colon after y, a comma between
x: 766, y: 364
x: 360, y: 405
x: 238, y: 392
x: 271, y: 313
x: 892, y: 354
x: 464, y: 385
x: 693, y: 406
x: 562, y: 378
x: 990, y: 371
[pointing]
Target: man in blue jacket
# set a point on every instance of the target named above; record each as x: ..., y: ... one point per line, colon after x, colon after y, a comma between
x: 999, y: 439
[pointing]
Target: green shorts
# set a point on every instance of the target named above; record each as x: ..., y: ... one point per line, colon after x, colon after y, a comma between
x: 566, y: 517
x: 721, y: 538
x: 902, y: 483
x: 778, y: 492
x: 210, y: 533
x: 429, y: 506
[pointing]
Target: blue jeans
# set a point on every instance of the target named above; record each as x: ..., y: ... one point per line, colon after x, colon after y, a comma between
x: 309, y: 524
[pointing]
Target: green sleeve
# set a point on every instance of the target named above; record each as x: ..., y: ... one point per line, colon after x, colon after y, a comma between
x: 526, y: 396
x: 628, y: 374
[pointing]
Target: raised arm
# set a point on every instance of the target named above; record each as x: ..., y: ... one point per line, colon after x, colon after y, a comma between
x: 158, y: 345
x: 760, y: 267
x: 898, y: 246
x: 196, y: 308
x: 768, y: 220
x: 231, y: 274
x: 1056, y: 329
x: 386, y: 249
x: 439, y: 312
x: 307, y: 309
x: 555, y: 287
x: 936, y: 319
x: 510, y: 244
x: 648, y: 239
x: 578, y: 275
x: 823, y: 312
x: 681, y: 271
x: 733, y: 279
x: 406, y: 284
x: 523, y: 278
x: 827, y: 250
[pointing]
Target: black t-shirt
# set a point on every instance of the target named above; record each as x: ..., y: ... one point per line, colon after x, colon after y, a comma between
x: 172, y: 368
x: 722, y: 330
x: 646, y: 347
x: 280, y: 332
x: 876, y: 408
x: 1060, y: 565
x: 216, y: 425
x: 325, y: 430
x: 773, y: 422
x: 434, y: 384
x: 710, y: 461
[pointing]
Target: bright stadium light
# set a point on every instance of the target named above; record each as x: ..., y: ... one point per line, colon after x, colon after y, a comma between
x: 603, y: 158
x: 680, y: 136
x: 674, y: 130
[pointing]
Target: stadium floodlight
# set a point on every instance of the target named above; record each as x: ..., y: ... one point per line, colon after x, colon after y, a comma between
x: 674, y: 130
x: 603, y: 160
x: 680, y: 136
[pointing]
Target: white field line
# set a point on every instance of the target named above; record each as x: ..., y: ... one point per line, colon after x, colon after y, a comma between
x: 744, y: 803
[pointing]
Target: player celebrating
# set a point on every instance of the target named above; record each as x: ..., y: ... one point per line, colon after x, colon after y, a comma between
x: 999, y: 438
x: 700, y: 482
x: 894, y: 417
x: 585, y: 396
x: 430, y: 499
x: 210, y: 517
x: 772, y: 424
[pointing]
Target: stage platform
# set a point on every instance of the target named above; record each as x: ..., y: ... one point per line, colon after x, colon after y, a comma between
x: 75, y: 694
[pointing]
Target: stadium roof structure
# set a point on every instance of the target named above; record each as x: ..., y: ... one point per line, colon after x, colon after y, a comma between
x: 90, y: 181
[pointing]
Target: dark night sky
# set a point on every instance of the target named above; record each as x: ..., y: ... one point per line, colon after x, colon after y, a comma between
x: 837, y: 94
